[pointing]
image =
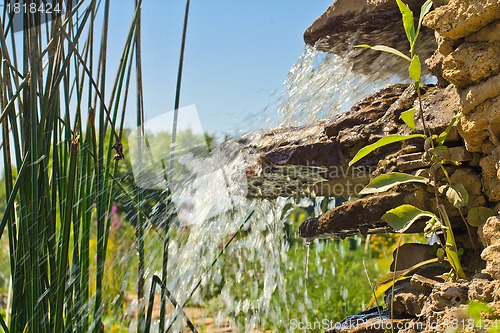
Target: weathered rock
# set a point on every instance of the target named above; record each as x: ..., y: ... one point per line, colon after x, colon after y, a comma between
x: 472, y: 63
x: 423, y: 283
x: 490, y: 33
x: 445, y: 295
x: 482, y: 290
x: 460, y: 18
x: 469, y: 179
x: 364, y: 215
x: 490, y: 237
x: 406, y: 299
x: 435, y: 65
x: 474, y: 96
x: 286, y: 161
x: 410, y: 254
x: 350, y: 22
x: 491, y: 177
x: 491, y: 255
x: 481, y: 127
x: 489, y: 233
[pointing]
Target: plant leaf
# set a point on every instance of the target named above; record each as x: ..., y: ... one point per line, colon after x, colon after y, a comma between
x: 442, y: 137
x: 382, y: 142
x: 477, y: 216
x: 408, y: 22
x: 409, y: 118
x: 384, y: 182
x: 384, y: 48
x: 415, y: 68
x: 402, y: 217
x: 457, y: 195
x: 426, y: 7
x: 389, y: 279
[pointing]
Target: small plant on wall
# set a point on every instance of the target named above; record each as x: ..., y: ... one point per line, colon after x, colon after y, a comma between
x: 436, y: 156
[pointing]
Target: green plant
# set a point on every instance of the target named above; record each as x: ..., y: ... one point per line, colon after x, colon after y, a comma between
x: 65, y: 157
x: 402, y: 217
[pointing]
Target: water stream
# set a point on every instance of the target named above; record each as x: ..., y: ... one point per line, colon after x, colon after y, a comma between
x: 251, y: 275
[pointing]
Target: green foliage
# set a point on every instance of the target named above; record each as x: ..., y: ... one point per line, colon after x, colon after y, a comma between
x: 444, y: 135
x: 408, y: 21
x: 387, y: 181
x: 50, y: 79
x: 386, y: 140
x: 388, y: 280
x: 477, y: 216
x: 386, y: 49
x: 402, y: 217
x: 457, y: 195
x: 415, y: 70
x: 408, y: 117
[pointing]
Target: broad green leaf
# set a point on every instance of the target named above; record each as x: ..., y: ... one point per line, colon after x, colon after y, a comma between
x: 477, y: 216
x: 426, y: 7
x: 409, y: 118
x: 402, y: 217
x: 384, y: 182
x: 442, y: 137
x: 382, y: 142
x: 388, y: 280
x: 386, y: 49
x: 408, y: 22
x: 457, y: 195
x: 415, y: 69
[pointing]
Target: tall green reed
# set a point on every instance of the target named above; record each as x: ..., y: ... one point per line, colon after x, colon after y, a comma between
x: 61, y: 135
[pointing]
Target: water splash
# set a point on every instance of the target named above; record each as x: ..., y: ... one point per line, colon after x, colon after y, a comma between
x: 320, y: 85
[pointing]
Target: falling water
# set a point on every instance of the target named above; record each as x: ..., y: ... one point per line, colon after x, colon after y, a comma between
x: 323, y: 84
x: 212, y: 210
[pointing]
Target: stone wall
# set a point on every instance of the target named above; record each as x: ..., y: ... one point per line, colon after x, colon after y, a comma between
x: 467, y: 58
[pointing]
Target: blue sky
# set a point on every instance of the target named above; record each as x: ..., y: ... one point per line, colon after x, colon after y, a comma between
x: 237, y: 54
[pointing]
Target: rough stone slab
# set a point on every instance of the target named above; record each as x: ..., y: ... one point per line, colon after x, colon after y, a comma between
x: 460, y: 18
x: 287, y: 161
x: 472, y: 63
x: 490, y: 33
x: 473, y: 96
x: 348, y: 16
x: 364, y: 215
x: 350, y: 22
x: 491, y: 175
x: 480, y: 128
x: 410, y: 254
x: 492, y: 257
